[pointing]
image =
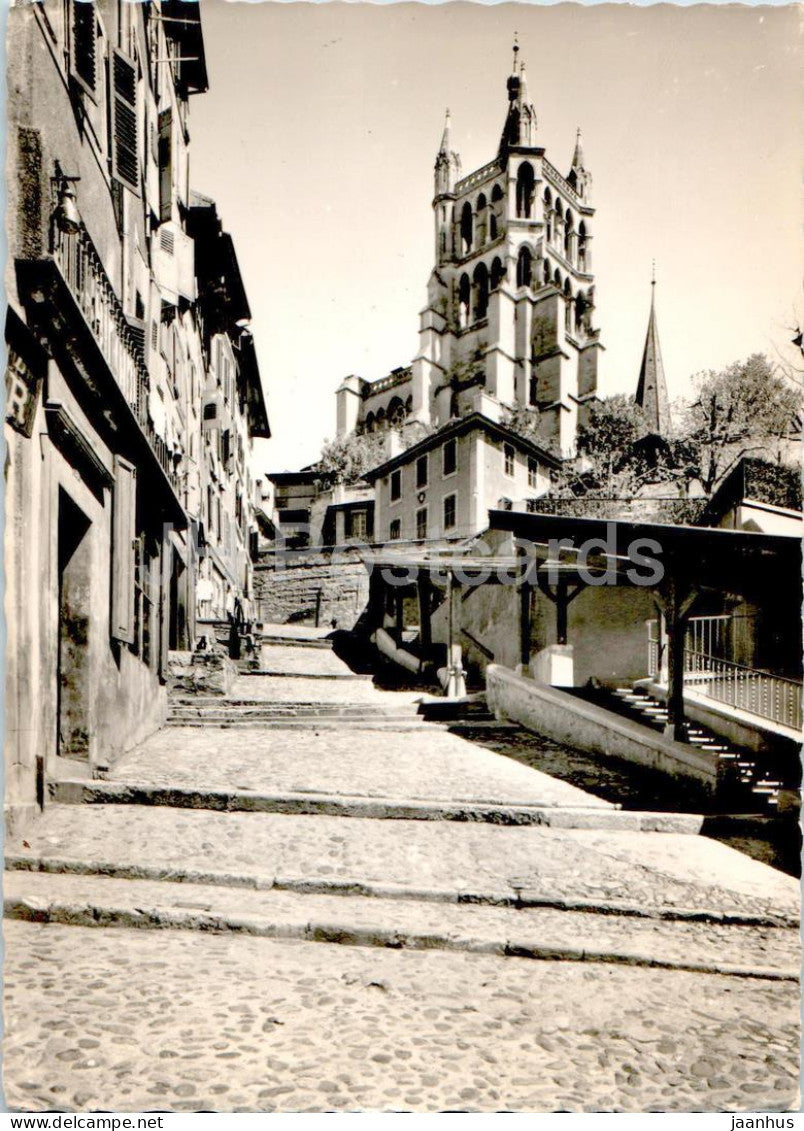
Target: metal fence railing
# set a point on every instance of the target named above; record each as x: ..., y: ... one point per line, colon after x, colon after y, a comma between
x: 765, y: 694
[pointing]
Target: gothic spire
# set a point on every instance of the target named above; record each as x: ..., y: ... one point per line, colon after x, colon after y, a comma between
x: 651, y: 392
x: 448, y: 163
x: 577, y: 157
x: 520, y: 122
x: 446, y: 137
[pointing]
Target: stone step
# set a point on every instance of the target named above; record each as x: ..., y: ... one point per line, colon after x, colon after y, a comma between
x: 601, y: 862
x: 79, y: 791
x: 333, y: 723
x: 553, y: 934
x: 290, y: 706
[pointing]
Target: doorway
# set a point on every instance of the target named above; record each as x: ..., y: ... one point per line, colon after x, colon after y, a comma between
x: 74, y: 611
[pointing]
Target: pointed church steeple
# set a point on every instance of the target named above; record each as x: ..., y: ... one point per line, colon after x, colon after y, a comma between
x: 520, y: 122
x: 579, y: 176
x: 448, y: 163
x: 651, y: 392
x: 577, y: 157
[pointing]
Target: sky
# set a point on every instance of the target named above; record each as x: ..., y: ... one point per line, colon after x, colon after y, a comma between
x: 319, y: 132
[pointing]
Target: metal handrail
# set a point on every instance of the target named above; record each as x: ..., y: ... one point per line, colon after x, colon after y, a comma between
x: 759, y: 692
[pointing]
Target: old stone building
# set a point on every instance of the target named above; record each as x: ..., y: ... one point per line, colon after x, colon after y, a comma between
x: 125, y: 322
x: 507, y: 329
x: 511, y: 297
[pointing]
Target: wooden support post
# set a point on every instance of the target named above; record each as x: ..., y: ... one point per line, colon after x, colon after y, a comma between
x: 456, y: 685
x: 524, y: 626
x: 400, y: 615
x: 424, y: 587
x: 524, y: 589
x: 677, y: 603
x: 562, y: 605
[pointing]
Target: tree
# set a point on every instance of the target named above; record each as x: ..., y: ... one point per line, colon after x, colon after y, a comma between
x: 745, y: 409
x: 348, y: 458
x: 607, y: 436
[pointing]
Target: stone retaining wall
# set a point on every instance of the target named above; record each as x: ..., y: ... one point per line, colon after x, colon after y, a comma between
x: 297, y: 588
x: 566, y: 719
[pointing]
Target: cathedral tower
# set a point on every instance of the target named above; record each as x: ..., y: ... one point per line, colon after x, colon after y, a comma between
x: 511, y: 298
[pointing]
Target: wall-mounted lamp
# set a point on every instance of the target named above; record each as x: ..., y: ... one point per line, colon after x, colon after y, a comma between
x: 66, y: 214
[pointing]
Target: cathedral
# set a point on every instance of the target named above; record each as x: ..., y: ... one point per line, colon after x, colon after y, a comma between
x: 510, y: 301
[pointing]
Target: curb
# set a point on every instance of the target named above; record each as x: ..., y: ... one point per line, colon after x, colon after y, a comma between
x: 517, y: 900
x: 82, y: 792
x: 83, y: 915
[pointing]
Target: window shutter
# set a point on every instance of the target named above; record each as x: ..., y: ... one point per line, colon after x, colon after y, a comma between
x: 123, y: 533
x: 83, y: 44
x: 165, y: 164
x: 125, y: 163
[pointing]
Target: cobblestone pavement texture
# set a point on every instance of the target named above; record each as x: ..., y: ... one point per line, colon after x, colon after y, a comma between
x: 650, y: 870
x: 168, y: 1021
x: 208, y: 1019
x: 677, y: 942
x: 429, y: 765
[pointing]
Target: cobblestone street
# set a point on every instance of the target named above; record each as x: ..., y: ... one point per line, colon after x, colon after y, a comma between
x: 517, y: 943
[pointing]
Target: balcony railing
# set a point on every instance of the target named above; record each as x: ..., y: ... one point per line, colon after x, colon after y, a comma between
x: 706, y: 671
x: 82, y: 270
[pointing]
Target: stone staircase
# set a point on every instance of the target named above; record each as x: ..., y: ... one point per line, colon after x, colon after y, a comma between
x: 747, y: 777
x: 212, y: 711
x: 465, y: 715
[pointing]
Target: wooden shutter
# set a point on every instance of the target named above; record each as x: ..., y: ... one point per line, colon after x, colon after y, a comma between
x: 83, y: 44
x: 125, y: 160
x: 165, y: 164
x: 124, y: 514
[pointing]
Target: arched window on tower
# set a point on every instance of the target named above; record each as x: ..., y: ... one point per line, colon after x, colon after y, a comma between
x: 467, y: 223
x: 409, y: 406
x: 497, y: 273
x: 524, y: 190
x: 396, y: 413
x: 567, y: 305
x: 482, y: 220
x: 496, y: 212
x: 382, y: 423
x: 548, y: 214
x: 583, y: 248
x: 546, y: 272
x: 480, y: 287
x: 524, y: 267
x: 569, y: 237
x: 558, y: 226
x: 557, y: 278
x: 464, y: 290
x: 581, y: 308
x: 369, y: 425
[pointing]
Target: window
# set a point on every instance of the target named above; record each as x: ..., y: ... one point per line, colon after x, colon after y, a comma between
x: 510, y: 454
x: 125, y: 164
x: 358, y: 524
x: 533, y: 472
x: 396, y: 485
x: 450, y: 457
x: 421, y: 523
x: 449, y: 512
x: 83, y: 46
x: 421, y: 471
x: 396, y: 530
